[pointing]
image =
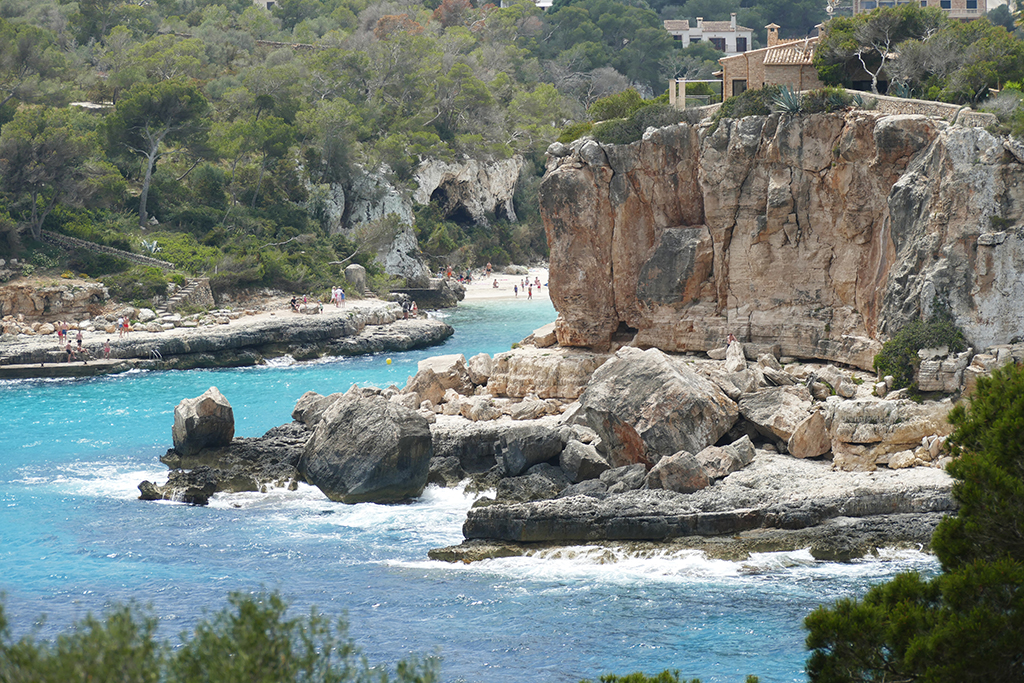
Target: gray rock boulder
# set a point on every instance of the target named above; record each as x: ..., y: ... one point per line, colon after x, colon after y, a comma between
x: 776, y: 412
x: 426, y: 384
x: 368, y: 450
x: 625, y: 478
x: 206, y: 421
x: 450, y: 370
x: 582, y: 461
x: 681, y: 472
x: 311, y: 406
x: 525, y: 444
x: 810, y: 438
x: 646, y: 405
x: 721, y: 461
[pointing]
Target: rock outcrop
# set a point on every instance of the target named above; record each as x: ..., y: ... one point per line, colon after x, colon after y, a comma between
x: 824, y: 234
x: 206, y: 421
x: 368, y: 450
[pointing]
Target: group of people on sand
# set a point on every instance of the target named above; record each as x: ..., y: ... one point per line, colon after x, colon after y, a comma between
x: 338, y: 296
x: 124, y: 326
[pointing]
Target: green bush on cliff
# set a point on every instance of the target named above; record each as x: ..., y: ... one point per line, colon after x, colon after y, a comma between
x: 965, y: 624
x: 899, y: 355
x: 253, y: 640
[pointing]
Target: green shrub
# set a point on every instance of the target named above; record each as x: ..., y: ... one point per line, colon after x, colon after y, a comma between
x: 138, y: 283
x: 618, y: 131
x: 899, y: 355
x: 95, y: 263
x: 747, y: 103
x: 574, y: 131
x: 253, y: 640
x: 617, y: 106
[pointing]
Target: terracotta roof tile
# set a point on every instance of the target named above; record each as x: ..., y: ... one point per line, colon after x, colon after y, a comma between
x: 795, y: 52
x: 677, y: 25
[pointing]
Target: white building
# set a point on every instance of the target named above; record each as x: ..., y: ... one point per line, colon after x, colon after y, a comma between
x: 726, y: 36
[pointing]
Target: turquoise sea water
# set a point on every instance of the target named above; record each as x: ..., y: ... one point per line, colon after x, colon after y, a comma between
x: 74, y: 538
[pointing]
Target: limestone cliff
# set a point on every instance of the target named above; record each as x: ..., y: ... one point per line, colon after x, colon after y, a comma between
x: 823, y: 234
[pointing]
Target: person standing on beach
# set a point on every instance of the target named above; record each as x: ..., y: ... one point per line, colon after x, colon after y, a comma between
x: 529, y: 292
x: 515, y: 288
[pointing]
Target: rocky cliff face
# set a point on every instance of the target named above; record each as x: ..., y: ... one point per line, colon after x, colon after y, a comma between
x: 467, y: 191
x: 823, y: 234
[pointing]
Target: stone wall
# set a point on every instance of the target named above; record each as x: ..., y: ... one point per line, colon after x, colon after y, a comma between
x: 69, y: 243
x: 822, y: 233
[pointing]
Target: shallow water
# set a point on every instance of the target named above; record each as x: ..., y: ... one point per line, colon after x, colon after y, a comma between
x: 74, y: 537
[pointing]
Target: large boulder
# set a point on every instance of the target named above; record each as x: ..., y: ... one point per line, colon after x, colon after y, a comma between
x: 646, y: 405
x: 368, y: 450
x: 311, y: 407
x: 775, y: 413
x: 546, y: 373
x: 451, y: 372
x: 681, y: 473
x: 525, y: 444
x: 206, y: 421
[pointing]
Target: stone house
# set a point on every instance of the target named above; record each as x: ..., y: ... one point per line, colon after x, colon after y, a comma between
x: 955, y: 9
x: 781, y: 63
x: 726, y: 36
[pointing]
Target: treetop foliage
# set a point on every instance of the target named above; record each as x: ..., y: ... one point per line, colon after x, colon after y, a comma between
x: 920, y: 52
x: 253, y: 639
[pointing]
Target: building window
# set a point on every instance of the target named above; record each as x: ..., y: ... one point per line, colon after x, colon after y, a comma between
x: 677, y: 38
x: 924, y: 3
x: 738, y: 87
x: 945, y: 4
x: 972, y: 4
x: 694, y: 41
x: 870, y: 4
x: 741, y: 45
x: 719, y: 44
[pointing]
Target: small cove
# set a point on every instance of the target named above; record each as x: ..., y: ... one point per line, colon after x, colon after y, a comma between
x: 74, y: 538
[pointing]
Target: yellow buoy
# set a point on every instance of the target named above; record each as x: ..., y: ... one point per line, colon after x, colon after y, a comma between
x: 388, y: 361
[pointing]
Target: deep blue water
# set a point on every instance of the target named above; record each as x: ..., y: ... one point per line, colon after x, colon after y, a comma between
x: 74, y: 538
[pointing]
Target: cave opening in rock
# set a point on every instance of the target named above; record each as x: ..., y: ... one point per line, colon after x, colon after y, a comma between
x: 624, y: 333
x: 451, y: 208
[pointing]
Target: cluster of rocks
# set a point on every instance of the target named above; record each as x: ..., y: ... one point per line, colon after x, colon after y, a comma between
x: 29, y: 310
x: 547, y: 429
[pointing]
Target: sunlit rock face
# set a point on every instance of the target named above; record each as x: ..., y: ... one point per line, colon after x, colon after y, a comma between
x: 823, y: 234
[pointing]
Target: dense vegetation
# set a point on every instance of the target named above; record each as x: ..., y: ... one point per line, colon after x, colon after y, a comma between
x: 919, y: 52
x: 229, y: 132
x: 965, y: 624
x: 252, y: 640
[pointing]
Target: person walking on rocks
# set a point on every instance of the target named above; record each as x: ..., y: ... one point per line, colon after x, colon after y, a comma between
x: 106, y: 349
x: 69, y: 351
x: 120, y: 327
x: 78, y: 338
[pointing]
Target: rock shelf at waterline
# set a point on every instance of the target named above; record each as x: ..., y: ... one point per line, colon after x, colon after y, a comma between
x: 236, y: 341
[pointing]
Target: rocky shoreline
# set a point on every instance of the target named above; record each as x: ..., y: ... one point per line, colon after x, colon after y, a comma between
x: 636, y: 451
x: 240, y: 340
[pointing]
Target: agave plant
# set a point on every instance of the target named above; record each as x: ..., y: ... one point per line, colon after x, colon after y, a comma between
x: 786, y: 102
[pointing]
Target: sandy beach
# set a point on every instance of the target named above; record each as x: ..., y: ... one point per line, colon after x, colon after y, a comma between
x: 483, y: 289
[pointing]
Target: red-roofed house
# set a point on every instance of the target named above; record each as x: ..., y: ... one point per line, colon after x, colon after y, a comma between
x: 781, y: 63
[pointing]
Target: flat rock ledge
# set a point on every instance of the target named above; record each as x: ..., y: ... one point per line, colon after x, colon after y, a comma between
x: 368, y: 330
x: 775, y: 503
